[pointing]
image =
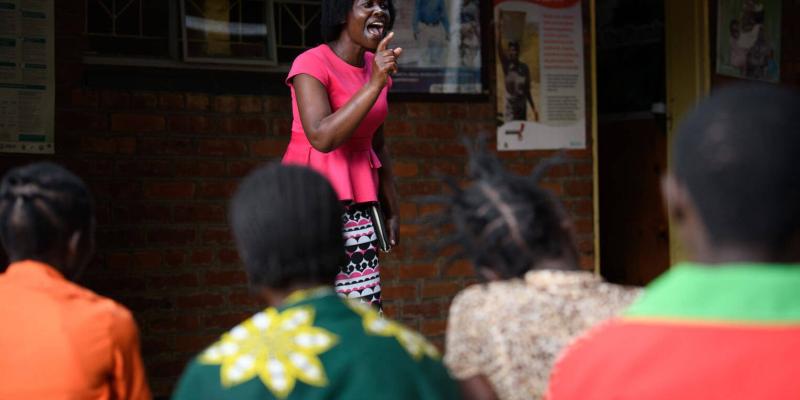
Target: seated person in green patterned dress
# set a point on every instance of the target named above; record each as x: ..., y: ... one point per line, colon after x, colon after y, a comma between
x: 309, y: 343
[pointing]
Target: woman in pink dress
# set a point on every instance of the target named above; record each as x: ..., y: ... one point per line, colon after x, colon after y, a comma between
x: 338, y: 107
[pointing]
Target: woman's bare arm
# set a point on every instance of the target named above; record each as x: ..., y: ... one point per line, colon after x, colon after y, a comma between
x: 327, y: 130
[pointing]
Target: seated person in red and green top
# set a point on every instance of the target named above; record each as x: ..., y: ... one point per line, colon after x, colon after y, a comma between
x: 309, y: 343
x: 725, y: 325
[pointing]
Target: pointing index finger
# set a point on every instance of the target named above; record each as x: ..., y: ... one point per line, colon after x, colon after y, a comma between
x: 385, y: 42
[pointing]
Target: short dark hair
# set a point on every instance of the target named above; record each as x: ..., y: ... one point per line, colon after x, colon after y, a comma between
x: 334, y: 16
x: 503, y: 221
x: 514, y: 44
x: 737, y: 155
x: 41, y: 205
x: 287, y: 222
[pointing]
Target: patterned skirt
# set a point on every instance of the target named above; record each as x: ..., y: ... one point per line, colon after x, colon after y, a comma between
x: 360, y: 278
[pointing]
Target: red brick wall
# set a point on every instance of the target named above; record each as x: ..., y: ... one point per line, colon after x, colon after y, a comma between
x: 162, y: 164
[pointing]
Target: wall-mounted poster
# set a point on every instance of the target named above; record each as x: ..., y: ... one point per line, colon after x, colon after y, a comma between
x: 441, y: 41
x: 540, y: 77
x: 27, y: 77
x: 749, y: 39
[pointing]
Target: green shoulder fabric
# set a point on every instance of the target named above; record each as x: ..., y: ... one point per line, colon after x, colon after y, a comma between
x: 755, y: 293
x: 317, y: 346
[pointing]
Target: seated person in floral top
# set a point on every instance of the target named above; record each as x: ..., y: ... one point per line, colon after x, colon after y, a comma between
x: 309, y: 343
x: 504, y: 335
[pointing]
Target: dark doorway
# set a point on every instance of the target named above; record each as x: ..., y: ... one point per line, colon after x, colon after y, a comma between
x: 632, y: 140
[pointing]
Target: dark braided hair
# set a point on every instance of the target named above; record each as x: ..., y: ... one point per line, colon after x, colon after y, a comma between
x: 287, y: 221
x: 502, y: 221
x: 41, y: 206
x: 334, y: 17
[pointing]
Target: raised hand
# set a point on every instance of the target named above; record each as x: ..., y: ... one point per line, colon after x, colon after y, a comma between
x: 385, y: 61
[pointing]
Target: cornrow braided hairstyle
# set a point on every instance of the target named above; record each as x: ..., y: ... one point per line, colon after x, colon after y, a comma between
x: 501, y: 221
x: 41, y: 205
x: 287, y: 222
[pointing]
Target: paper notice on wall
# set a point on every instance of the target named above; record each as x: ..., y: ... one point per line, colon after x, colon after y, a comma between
x: 540, y: 77
x: 27, y: 76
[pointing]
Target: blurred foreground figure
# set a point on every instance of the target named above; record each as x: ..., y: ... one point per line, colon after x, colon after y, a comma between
x: 310, y: 343
x: 503, y: 335
x: 57, y: 339
x: 725, y: 325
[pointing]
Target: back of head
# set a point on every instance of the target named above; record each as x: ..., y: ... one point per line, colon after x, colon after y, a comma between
x: 504, y: 222
x: 736, y: 153
x: 288, y: 227
x: 41, y: 206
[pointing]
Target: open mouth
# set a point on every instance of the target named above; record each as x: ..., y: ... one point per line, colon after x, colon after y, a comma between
x: 375, y: 29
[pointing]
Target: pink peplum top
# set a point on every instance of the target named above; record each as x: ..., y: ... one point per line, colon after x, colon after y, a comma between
x: 352, y: 168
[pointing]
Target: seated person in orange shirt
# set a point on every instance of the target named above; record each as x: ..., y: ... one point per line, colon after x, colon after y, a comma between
x: 57, y: 339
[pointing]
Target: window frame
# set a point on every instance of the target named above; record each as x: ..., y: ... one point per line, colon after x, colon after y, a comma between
x: 177, y: 59
x: 271, y: 38
x: 160, y: 73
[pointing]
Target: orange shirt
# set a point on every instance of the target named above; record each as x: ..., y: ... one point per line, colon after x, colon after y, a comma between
x: 59, y: 341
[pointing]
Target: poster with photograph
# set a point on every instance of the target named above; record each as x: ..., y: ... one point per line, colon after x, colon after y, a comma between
x: 540, y: 76
x: 441, y: 41
x: 27, y: 77
x: 749, y: 39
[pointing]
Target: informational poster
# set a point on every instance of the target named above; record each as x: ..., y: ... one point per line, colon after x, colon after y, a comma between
x: 27, y: 78
x: 749, y: 39
x: 540, y: 77
x: 441, y: 41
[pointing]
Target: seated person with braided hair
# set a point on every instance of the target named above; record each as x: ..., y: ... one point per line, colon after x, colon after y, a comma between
x: 57, y: 339
x: 504, y: 335
x: 308, y: 343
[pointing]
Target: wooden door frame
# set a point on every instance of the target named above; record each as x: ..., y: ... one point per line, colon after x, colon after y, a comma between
x: 688, y: 70
x: 595, y: 170
x: 688, y: 78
